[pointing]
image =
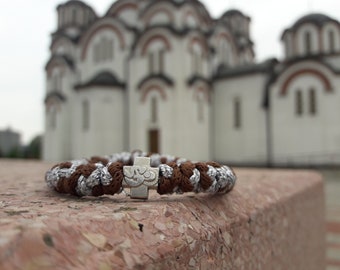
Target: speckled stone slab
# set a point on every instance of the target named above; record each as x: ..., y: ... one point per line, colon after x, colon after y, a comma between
x: 273, y: 219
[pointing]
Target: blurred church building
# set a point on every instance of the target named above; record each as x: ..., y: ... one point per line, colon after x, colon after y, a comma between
x: 10, y: 142
x: 164, y: 76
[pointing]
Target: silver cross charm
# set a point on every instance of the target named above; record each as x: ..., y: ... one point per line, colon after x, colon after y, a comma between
x: 140, y: 178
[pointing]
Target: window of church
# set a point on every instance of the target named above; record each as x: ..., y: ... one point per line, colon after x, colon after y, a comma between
x: 56, y: 82
x: 88, y: 15
x: 224, y: 52
x: 200, y: 110
x: 197, y: 63
x: 53, y: 118
x: 237, y: 113
x: 74, y: 16
x: 308, y: 43
x: 110, y: 49
x: 151, y: 63
x: 103, y: 50
x: 95, y: 53
x: 298, y: 102
x: 85, y: 17
x: 61, y: 18
x: 86, y: 115
x: 331, y: 41
x: 156, y: 61
x: 154, y: 110
x: 65, y: 20
x: 161, y: 61
x: 312, y: 101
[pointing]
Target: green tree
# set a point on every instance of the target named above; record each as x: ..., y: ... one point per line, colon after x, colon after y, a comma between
x: 33, y: 149
x: 15, y: 152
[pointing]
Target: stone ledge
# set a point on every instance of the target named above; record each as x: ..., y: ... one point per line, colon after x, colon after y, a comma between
x: 273, y: 219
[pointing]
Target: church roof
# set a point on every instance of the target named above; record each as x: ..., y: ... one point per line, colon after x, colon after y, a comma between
x: 197, y: 78
x: 317, y: 59
x: 55, y: 94
x: 164, y: 78
x: 178, y: 3
x: 77, y: 2
x: 104, y: 78
x: 233, y: 12
x: 316, y: 19
x: 62, y: 58
x: 226, y: 72
x: 169, y: 27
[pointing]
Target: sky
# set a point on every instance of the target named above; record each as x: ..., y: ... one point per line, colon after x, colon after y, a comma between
x: 25, y: 28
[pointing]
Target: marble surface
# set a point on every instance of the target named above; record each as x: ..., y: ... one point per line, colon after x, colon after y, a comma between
x: 273, y: 219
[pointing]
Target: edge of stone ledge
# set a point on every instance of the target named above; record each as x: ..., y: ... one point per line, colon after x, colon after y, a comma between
x: 165, y: 232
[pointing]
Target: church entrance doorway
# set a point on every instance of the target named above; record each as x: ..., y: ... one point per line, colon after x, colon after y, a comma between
x: 154, y: 140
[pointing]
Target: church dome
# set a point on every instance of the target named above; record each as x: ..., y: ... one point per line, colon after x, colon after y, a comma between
x: 74, y: 16
x: 233, y: 12
x: 317, y: 19
x: 312, y: 34
x: 239, y: 24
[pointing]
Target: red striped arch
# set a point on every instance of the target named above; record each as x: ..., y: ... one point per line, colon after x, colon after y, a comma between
x: 153, y: 38
x: 326, y: 82
x: 99, y: 28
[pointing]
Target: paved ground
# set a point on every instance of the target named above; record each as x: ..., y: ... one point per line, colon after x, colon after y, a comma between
x: 332, y: 189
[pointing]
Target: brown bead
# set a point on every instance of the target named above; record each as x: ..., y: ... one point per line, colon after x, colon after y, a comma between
x: 187, y: 171
x: 205, y: 180
x: 97, y: 190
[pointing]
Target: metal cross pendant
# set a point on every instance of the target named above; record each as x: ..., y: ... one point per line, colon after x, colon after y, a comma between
x: 140, y: 178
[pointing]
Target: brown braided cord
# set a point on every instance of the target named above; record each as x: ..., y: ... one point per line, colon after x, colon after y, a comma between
x: 180, y: 180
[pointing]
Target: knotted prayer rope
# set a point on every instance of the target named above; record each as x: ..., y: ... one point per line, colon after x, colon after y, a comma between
x: 104, y: 175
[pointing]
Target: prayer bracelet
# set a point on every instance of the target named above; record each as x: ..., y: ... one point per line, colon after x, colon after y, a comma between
x: 140, y: 172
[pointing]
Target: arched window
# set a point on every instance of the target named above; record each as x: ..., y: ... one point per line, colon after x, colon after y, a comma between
x: 237, y: 113
x: 224, y: 52
x: 312, y: 101
x: 154, y: 49
x: 308, y: 43
x: 154, y: 110
x: 161, y: 60
x: 61, y: 18
x: 56, y: 82
x: 86, y: 115
x: 198, y: 52
x: 103, y: 50
x: 74, y: 16
x: 156, y: 61
x: 151, y: 62
x: 331, y: 41
x: 298, y: 103
x: 95, y: 53
x: 197, y: 62
x: 53, y: 118
x: 110, y: 49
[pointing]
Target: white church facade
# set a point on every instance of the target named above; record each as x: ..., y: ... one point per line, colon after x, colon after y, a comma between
x: 164, y: 76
